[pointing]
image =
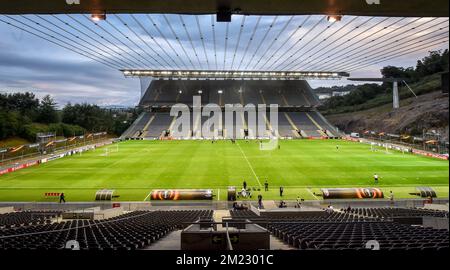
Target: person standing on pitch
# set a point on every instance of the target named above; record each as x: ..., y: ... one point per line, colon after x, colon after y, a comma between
x: 299, y: 203
x: 266, y: 186
x: 281, y: 191
x: 260, y: 197
x: 62, y: 198
x: 391, y: 197
x: 376, y: 178
x: 244, y: 184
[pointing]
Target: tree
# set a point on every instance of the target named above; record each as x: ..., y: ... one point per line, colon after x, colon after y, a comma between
x: 9, y: 124
x: 90, y: 117
x: 24, y: 103
x: 47, y: 111
x: 433, y: 63
x: 408, y: 74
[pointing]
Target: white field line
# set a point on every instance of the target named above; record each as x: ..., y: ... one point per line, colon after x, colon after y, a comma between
x: 147, y: 196
x: 310, y: 192
x: 250, y: 165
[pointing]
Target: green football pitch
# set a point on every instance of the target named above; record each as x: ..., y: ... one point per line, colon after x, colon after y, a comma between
x: 302, y: 167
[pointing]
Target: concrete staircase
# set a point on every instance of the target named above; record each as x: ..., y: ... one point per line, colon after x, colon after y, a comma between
x: 277, y: 244
x: 172, y: 241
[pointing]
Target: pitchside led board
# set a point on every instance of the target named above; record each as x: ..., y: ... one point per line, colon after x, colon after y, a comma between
x: 182, y: 195
x: 352, y: 193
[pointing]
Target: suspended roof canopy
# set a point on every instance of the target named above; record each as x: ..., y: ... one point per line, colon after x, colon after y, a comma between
x: 400, y: 8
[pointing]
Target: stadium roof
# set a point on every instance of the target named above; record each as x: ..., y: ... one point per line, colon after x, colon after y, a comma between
x: 402, y: 8
x: 125, y: 39
x: 248, y: 43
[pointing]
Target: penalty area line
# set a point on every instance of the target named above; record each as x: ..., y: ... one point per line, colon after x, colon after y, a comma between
x: 250, y: 165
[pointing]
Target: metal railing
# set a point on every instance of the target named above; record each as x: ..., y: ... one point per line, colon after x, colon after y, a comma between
x: 229, y: 245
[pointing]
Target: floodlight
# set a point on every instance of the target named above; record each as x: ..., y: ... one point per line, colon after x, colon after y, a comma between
x: 334, y: 18
x: 98, y: 17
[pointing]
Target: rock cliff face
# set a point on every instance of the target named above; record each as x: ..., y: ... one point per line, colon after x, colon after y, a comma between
x: 427, y: 112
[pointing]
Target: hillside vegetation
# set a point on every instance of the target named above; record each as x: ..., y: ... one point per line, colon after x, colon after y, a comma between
x: 425, y: 113
x: 23, y: 116
x: 369, y: 106
x: 380, y: 95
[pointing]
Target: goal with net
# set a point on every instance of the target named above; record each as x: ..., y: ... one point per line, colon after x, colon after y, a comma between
x: 110, y: 150
x: 269, y: 146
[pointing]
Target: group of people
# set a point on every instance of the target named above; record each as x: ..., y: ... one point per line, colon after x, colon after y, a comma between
x: 282, y: 204
x: 247, y: 193
x: 330, y: 209
x: 237, y: 206
x: 266, y: 188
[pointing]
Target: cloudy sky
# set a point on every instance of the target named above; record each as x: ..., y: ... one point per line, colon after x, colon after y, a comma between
x: 356, y: 44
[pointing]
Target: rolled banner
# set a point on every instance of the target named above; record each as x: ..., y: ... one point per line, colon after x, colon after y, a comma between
x: 352, y: 193
x: 181, y: 195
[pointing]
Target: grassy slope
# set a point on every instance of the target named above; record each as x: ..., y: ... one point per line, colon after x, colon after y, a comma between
x: 11, y: 142
x: 428, y: 111
x: 426, y: 85
x: 142, y: 166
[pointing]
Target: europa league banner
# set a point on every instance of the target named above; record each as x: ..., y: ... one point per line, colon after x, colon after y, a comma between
x: 352, y: 193
x: 181, y: 195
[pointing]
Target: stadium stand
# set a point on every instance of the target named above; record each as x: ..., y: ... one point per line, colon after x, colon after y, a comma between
x: 129, y: 133
x: 160, y: 124
x: 354, y: 236
x: 350, y: 230
x: 315, y: 216
x: 243, y: 214
x: 131, y: 231
x: 304, y: 230
x: 140, y: 126
x: 284, y: 127
x: 283, y: 93
x: 327, y: 128
x: 305, y: 124
x: 302, y: 98
x: 302, y: 120
x: 251, y: 97
x: 17, y: 219
x: 397, y: 212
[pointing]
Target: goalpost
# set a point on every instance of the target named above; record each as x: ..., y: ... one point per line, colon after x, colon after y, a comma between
x: 269, y: 146
x: 373, y: 147
x: 110, y: 150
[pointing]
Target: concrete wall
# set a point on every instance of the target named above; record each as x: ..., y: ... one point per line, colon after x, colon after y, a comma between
x: 251, y: 238
x: 212, y: 205
x: 439, y: 207
x: 6, y: 210
x: 436, y: 223
x: 108, y: 213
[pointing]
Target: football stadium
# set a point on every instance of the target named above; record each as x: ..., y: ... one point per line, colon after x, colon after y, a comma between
x: 231, y: 146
